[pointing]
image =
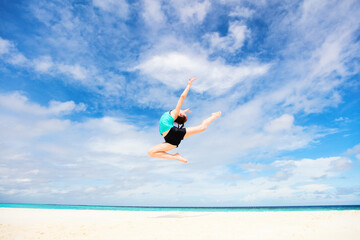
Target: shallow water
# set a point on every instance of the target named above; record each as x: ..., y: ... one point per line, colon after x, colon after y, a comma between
x: 185, y: 209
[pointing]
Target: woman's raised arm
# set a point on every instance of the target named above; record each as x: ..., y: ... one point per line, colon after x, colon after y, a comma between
x: 176, y: 111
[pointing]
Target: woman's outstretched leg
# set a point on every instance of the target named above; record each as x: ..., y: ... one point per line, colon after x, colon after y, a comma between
x: 160, y: 151
x: 202, y: 127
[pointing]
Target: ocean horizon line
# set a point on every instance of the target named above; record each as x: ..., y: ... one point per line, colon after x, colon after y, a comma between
x: 184, y: 208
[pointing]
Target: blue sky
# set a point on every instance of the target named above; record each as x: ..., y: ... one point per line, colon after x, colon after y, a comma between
x: 84, y: 83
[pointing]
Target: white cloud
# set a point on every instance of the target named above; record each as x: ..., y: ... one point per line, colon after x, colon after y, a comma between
x: 22, y: 180
x: 311, y: 8
x: 76, y: 71
x: 342, y: 119
x: 16, y: 134
x: 307, y: 170
x: 17, y: 102
x: 241, y: 12
x: 42, y: 12
x: 283, y: 123
x: 323, y: 43
x: 5, y: 46
x: 315, y: 188
x: 116, y: 137
x: 251, y: 129
x: 18, y: 59
x: 10, y: 54
x: 56, y: 107
x: 105, y: 82
x: 152, y: 13
x: 119, y: 7
x: 264, y: 195
x: 42, y: 147
x: 297, y: 181
x: 65, y: 34
x: 43, y: 64
x: 253, y: 167
x: 354, y: 151
x: 233, y: 41
x: 192, y: 11
x: 213, y: 76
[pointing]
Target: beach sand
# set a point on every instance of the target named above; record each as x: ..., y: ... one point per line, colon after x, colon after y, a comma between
x: 127, y: 225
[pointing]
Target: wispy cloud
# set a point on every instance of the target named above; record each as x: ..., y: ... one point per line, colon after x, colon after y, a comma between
x: 192, y: 11
x: 119, y: 7
x: 16, y: 102
x: 307, y: 170
x: 214, y: 76
x: 233, y: 41
x: 295, y: 178
x: 28, y: 129
x: 105, y: 83
x: 241, y: 12
x: 76, y: 71
x: 284, y: 122
x: 152, y: 13
x: 10, y: 54
x: 317, y: 56
x: 5, y: 46
x: 354, y: 151
x: 43, y: 64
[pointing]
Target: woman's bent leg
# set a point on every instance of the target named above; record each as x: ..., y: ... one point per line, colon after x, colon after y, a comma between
x: 160, y: 151
x: 202, y: 127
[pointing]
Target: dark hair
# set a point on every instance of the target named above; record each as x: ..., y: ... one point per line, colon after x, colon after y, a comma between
x: 181, y: 120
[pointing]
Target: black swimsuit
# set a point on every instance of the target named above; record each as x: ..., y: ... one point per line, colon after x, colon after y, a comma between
x: 175, y: 135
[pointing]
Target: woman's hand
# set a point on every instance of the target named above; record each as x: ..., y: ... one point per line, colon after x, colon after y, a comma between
x: 183, y: 112
x: 191, y: 80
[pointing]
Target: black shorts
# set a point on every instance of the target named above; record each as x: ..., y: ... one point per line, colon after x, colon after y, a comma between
x: 175, y: 135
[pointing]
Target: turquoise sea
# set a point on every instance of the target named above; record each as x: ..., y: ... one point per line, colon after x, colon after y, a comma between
x: 185, y: 209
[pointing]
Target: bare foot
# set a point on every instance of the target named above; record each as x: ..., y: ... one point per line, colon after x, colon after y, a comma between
x: 180, y: 158
x: 216, y: 115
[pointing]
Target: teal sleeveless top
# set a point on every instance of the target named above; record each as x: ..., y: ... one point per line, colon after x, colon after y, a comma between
x: 166, y: 122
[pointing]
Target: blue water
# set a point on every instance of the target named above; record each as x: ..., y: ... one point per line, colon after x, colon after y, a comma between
x: 184, y: 209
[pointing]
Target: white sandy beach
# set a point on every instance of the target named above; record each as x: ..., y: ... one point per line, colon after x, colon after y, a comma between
x: 92, y: 224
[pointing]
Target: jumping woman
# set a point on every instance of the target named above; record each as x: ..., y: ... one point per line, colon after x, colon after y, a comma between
x: 173, y: 135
